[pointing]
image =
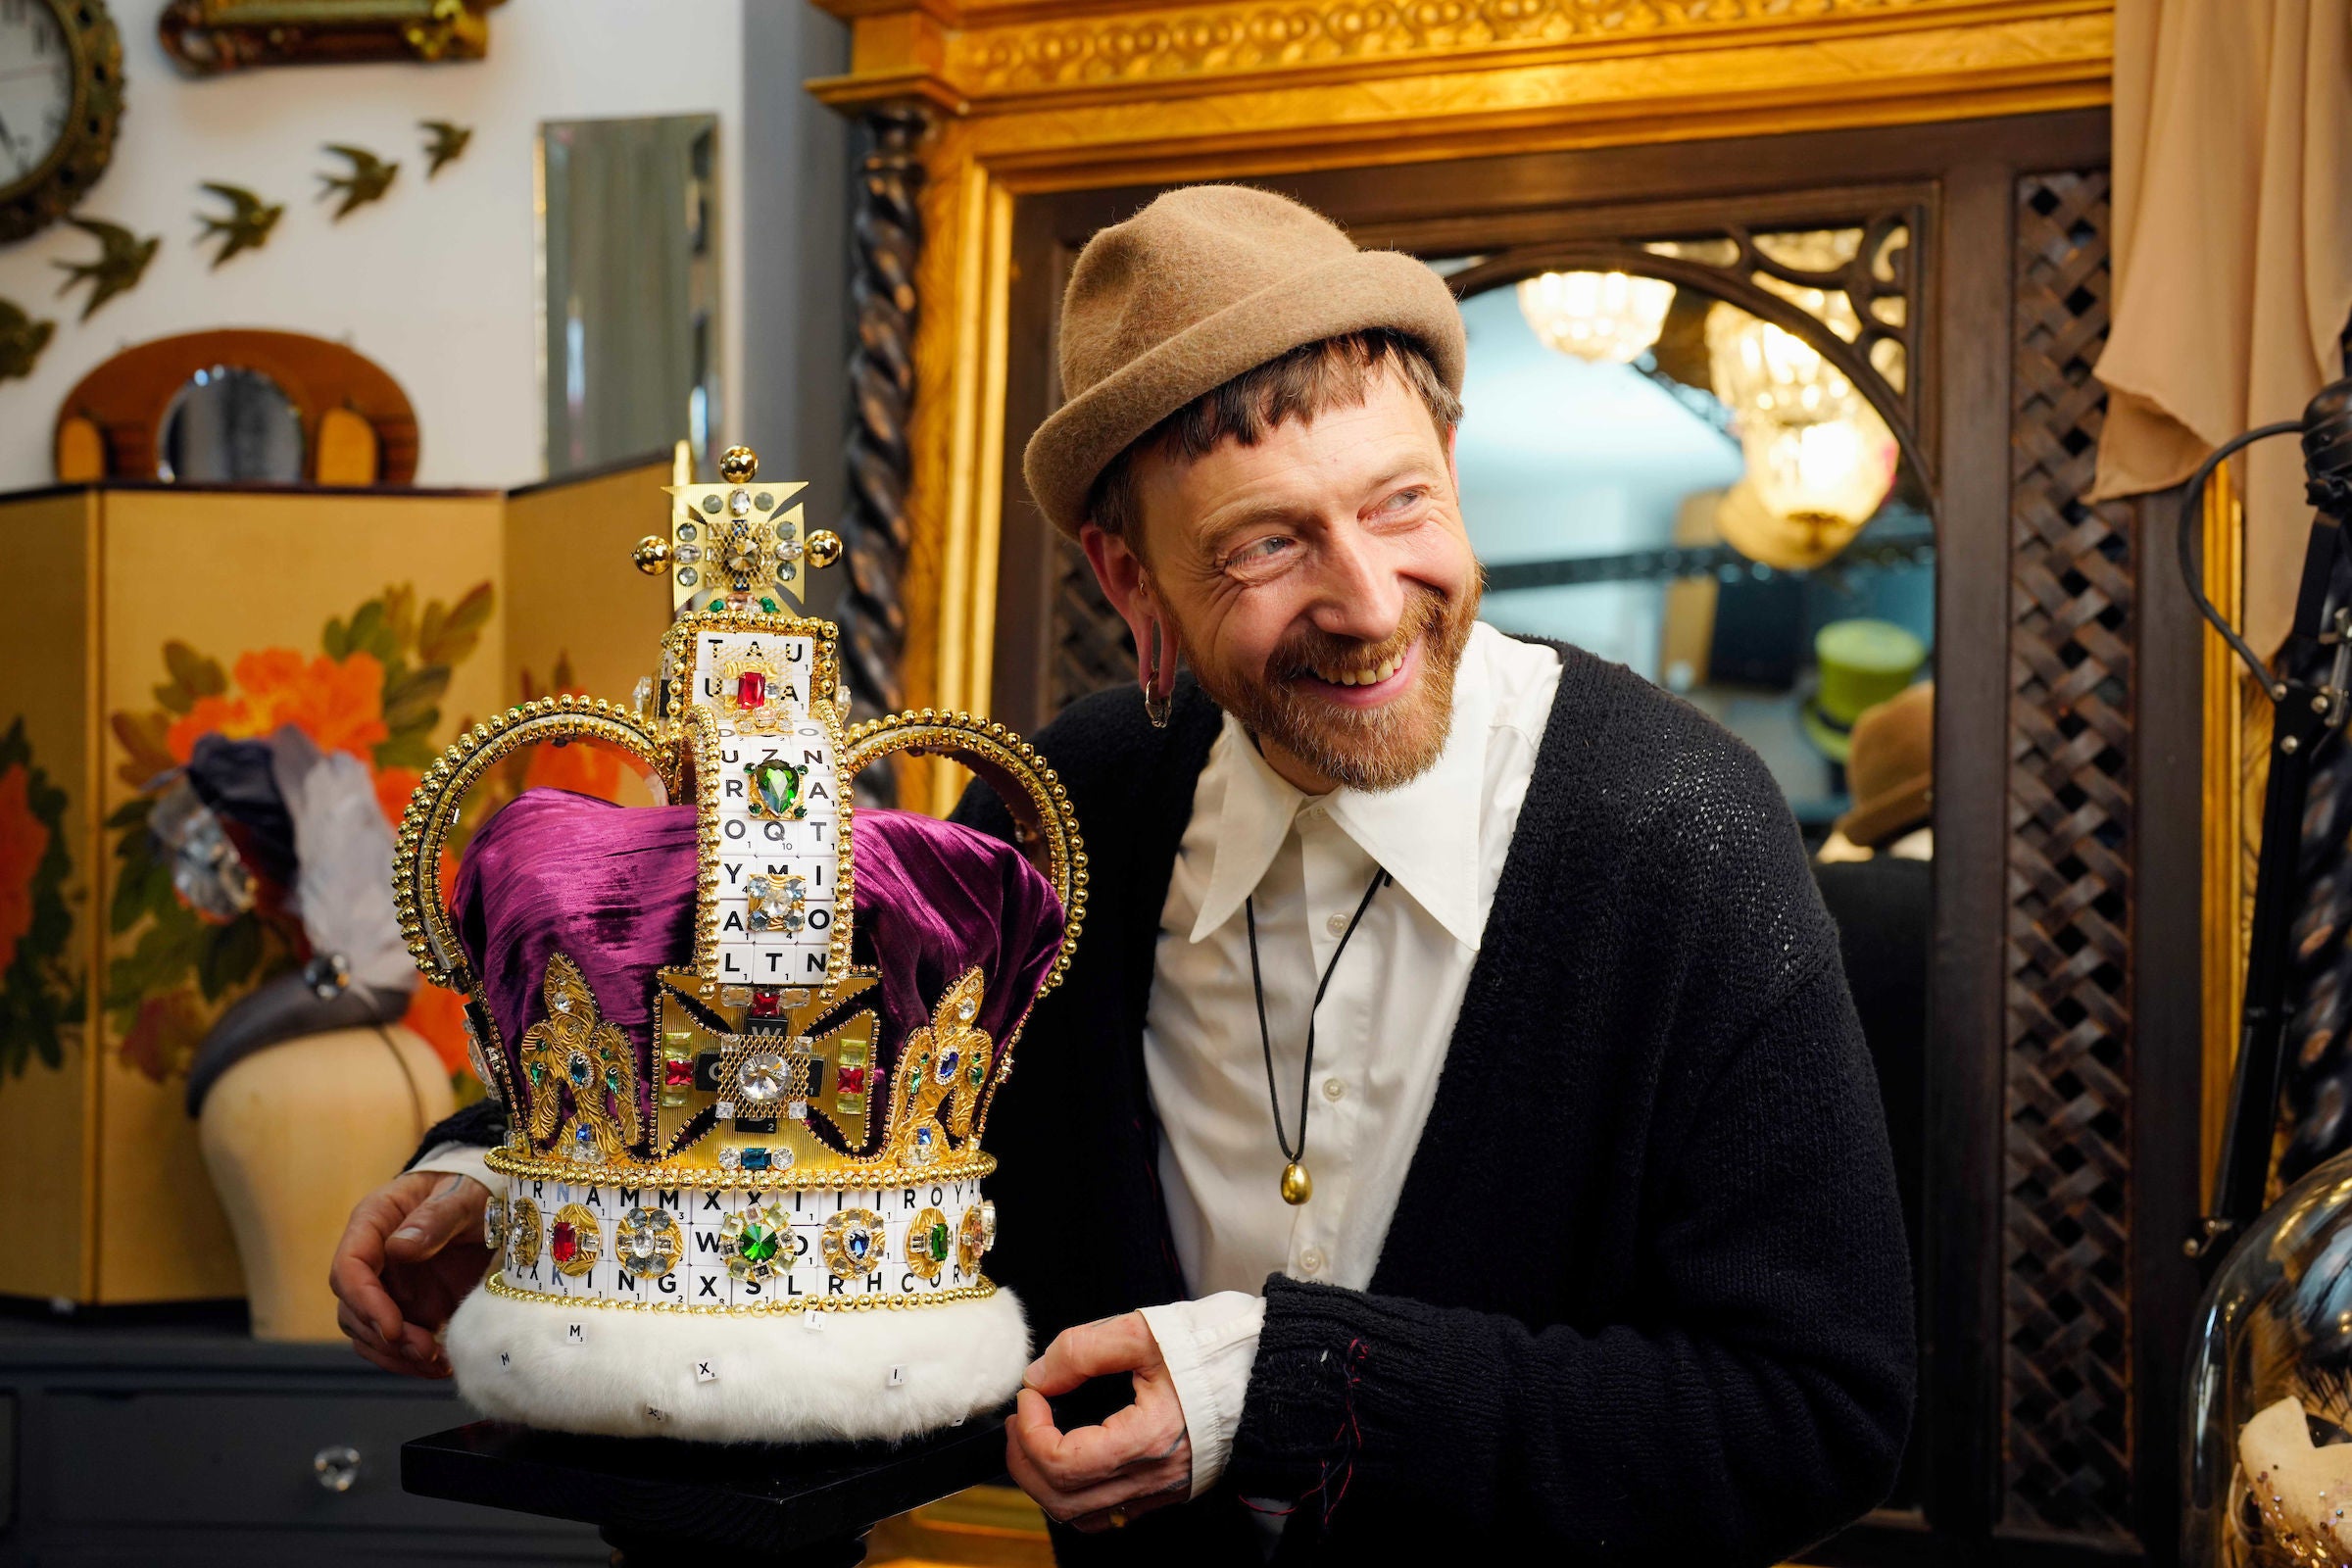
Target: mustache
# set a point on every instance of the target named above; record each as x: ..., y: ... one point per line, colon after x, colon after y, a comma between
x: 1302, y: 649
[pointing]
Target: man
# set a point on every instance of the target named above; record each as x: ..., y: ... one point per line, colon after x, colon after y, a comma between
x: 1455, y: 1130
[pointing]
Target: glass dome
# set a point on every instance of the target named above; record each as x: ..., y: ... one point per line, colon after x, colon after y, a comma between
x: 2268, y: 1467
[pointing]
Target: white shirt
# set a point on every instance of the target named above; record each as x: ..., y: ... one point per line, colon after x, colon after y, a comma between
x: 1381, y: 1034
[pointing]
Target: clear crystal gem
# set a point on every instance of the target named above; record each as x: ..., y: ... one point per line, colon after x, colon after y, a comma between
x: 642, y: 699
x: 787, y: 547
x: 988, y: 1222
x: 687, y: 533
x: 760, y: 1077
x: 759, y: 886
x: 563, y: 1004
x: 686, y: 554
x: 729, y: 1160
x: 966, y: 1010
x: 688, y: 576
x: 725, y: 1109
x: 739, y: 503
x: 711, y: 504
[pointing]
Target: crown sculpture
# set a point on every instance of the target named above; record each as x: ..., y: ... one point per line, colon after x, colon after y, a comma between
x: 747, y: 1043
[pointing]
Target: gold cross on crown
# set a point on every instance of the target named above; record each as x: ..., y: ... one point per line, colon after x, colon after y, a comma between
x: 737, y: 545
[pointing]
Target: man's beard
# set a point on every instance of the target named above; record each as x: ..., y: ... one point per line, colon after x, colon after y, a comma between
x: 1363, y: 748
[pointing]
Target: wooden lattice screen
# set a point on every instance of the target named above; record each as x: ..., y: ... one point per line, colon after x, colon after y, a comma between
x: 2066, y: 1315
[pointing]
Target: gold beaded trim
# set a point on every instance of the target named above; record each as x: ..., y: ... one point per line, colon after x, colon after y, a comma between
x: 497, y: 1284
x: 878, y: 1174
x: 416, y: 892
x: 1012, y: 768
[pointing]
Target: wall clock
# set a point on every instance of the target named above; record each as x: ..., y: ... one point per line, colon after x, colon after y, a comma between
x: 60, y: 95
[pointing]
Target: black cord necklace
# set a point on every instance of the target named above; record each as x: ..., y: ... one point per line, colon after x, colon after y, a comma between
x: 1297, y: 1185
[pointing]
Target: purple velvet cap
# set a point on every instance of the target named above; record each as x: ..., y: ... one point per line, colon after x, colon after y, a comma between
x: 612, y: 888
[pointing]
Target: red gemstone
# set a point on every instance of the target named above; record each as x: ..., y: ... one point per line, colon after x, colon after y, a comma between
x: 765, y: 1001
x: 751, y: 689
x: 566, y: 1242
x: 853, y: 1080
x: 677, y: 1072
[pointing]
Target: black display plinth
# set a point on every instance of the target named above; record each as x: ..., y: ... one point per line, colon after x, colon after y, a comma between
x: 659, y: 1503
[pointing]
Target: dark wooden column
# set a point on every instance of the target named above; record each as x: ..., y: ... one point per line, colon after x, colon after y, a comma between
x: 887, y: 238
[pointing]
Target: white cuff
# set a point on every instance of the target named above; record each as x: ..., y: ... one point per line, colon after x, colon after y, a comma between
x: 1209, y: 1346
x: 457, y: 1160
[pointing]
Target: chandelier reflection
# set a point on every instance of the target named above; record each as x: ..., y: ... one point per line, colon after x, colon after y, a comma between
x: 1606, y: 317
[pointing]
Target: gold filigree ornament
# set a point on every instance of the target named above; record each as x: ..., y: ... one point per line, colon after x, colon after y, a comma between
x: 647, y: 1242
x: 942, y: 1071
x: 853, y: 1244
x: 975, y: 1236
x: 929, y: 1245
x: 494, y: 1223
x: 573, y: 1055
x: 575, y: 1239
x: 522, y: 1234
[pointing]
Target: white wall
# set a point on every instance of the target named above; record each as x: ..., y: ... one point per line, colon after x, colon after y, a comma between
x: 434, y: 282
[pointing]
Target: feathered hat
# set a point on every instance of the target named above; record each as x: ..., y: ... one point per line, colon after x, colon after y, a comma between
x: 746, y: 1042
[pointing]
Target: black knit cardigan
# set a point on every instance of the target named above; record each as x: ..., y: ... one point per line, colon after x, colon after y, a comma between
x: 1645, y: 1298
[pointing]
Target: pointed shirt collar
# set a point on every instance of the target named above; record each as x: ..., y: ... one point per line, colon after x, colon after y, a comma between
x: 1424, y: 833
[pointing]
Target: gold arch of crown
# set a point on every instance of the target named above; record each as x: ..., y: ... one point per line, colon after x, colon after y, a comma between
x: 680, y: 744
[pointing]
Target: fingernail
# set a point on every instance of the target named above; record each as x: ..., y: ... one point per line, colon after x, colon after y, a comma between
x: 408, y: 1233
x: 1030, y: 1370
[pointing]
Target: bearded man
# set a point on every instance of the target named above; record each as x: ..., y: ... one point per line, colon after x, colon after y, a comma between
x: 1453, y: 1133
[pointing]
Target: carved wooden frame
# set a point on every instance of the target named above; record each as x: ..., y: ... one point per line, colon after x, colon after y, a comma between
x: 1093, y: 94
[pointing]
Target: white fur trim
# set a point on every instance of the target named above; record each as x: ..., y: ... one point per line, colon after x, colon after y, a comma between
x: 779, y: 1380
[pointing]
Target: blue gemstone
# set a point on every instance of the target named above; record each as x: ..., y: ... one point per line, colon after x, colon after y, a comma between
x: 755, y: 1159
x: 583, y: 1136
x: 947, y: 1065
x: 857, y: 1245
x: 579, y: 1069
x: 922, y: 1137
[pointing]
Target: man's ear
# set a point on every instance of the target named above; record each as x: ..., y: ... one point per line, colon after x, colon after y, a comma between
x: 1120, y: 571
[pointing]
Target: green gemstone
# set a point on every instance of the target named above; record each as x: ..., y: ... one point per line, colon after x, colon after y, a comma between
x: 768, y: 605
x: 779, y: 784
x: 759, y: 1244
x: 939, y: 1241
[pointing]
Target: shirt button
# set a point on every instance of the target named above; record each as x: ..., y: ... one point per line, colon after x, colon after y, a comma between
x: 1333, y: 1089
x: 1310, y: 1260
x: 1337, y: 925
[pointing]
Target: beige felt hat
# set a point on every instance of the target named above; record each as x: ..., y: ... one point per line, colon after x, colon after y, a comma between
x: 1203, y: 284
x: 1891, y: 768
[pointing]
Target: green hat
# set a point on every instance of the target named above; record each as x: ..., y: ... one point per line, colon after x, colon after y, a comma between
x: 1862, y: 663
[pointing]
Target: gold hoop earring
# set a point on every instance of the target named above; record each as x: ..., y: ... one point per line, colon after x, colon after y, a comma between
x: 1159, y: 706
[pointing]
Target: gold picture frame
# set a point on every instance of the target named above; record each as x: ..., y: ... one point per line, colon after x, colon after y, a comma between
x: 208, y: 37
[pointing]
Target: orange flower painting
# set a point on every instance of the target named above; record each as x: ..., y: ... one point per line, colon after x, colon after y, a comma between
x: 338, y: 703
x: 372, y: 689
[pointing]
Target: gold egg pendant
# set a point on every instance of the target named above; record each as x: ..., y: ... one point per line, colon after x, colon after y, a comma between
x: 1297, y: 1185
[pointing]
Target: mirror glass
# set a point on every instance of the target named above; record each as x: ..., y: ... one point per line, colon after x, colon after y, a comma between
x: 628, y: 252
x: 1659, y: 476
x: 229, y: 426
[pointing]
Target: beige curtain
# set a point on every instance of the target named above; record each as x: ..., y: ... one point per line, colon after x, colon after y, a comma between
x: 2232, y: 254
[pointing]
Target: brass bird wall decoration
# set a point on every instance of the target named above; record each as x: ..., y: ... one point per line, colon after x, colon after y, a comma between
x: 246, y: 228
x: 369, y: 177
x: 21, y: 339
x: 446, y: 144
x: 122, y: 259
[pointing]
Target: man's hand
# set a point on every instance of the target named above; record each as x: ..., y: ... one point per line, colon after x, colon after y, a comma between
x: 1098, y: 1477
x: 413, y: 1250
